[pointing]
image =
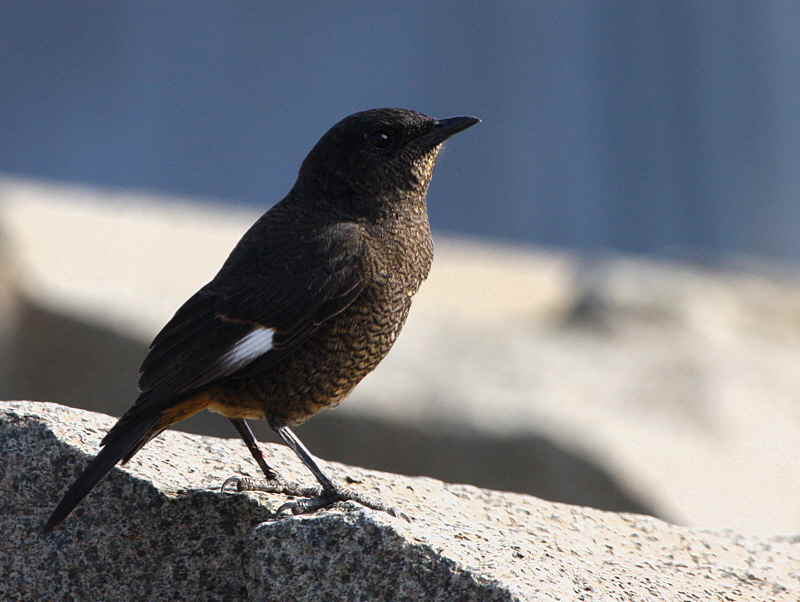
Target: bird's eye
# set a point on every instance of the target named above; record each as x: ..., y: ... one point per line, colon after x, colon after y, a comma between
x: 381, y: 139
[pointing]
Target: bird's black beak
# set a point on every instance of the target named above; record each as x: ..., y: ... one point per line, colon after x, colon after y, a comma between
x: 444, y: 128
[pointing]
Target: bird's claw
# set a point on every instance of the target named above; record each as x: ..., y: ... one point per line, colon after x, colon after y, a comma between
x: 236, y: 482
x: 329, y: 497
x: 240, y: 484
x: 310, y: 499
x: 305, y: 505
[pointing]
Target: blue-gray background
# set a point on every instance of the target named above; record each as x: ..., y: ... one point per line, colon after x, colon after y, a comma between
x: 659, y: 127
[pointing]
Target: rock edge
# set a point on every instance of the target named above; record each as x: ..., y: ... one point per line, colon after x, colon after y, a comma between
x: 160, y: 529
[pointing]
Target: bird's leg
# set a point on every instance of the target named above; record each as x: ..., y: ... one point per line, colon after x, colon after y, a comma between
x: 330, y: 493
x: 246, y: 433
x: 314, y: 498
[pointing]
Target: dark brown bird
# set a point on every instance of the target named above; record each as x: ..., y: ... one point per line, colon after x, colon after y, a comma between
x: 308, y: 303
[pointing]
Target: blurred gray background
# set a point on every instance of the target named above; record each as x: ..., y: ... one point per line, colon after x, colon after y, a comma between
x: 613, y: 317
x: 666, y: 128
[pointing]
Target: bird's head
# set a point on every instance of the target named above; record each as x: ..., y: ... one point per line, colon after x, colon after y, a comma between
x: 373, y: 160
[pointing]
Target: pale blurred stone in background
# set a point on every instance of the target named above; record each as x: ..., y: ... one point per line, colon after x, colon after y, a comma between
x: 609, y: 382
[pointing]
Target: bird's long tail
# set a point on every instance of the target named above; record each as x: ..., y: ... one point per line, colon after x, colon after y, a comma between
x: 119, y: 443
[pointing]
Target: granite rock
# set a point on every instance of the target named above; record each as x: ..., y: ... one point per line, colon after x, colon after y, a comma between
x: 160, y: 529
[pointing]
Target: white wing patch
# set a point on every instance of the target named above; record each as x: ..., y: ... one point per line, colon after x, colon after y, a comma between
x: 251, y: 346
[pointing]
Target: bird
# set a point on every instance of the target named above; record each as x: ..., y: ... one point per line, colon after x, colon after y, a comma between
x: 308, y: 303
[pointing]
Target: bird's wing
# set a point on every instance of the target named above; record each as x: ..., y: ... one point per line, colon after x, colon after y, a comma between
x: 259, y: 307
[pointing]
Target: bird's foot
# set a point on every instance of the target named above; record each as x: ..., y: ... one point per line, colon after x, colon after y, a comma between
x: 311, y: 498
x: 276, y: 485
x: 322, y: 498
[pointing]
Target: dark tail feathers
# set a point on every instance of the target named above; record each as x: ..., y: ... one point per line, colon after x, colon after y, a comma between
x: 123, y: 443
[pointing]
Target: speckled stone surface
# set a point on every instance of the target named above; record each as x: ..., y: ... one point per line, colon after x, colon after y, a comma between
x: 159, y: 529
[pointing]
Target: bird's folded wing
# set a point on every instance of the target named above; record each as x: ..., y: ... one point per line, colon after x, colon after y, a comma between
x: 256, y: 309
